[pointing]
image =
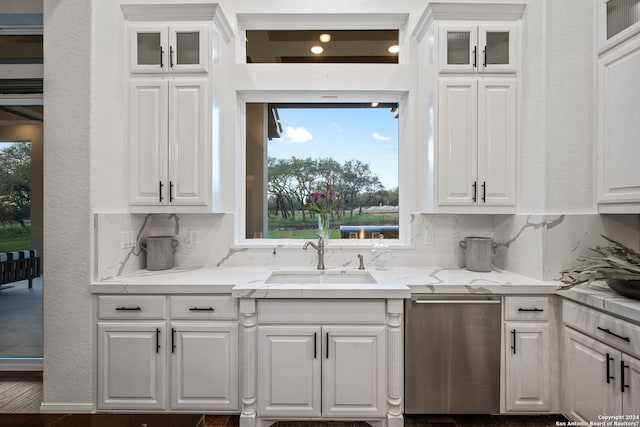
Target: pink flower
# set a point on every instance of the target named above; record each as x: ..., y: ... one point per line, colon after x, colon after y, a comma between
x: 322, y: 196
x: 330, y: 193
x: 328, y: 186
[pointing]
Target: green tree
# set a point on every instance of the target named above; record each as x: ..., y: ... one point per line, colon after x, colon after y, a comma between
x: 15, y: 183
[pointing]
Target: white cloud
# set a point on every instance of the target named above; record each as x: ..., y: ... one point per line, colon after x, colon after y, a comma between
x: 297, y: 135
x: 335, y: 126
x: 379, y: 137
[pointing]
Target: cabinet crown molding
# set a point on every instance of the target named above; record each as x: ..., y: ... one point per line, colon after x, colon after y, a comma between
x: 468, y: 10
x: 179, y: 12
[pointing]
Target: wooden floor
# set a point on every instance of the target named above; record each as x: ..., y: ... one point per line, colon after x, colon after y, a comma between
x: 21, y: 395
x: 20, y: 392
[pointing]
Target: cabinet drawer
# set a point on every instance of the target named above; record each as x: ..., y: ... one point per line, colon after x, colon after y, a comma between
x: 132, y: 307
x: 526, y: 308
x: 203, y: 307
x: 604, y: 327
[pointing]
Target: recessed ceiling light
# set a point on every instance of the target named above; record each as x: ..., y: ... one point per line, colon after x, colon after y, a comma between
x: 317, y: 50
x: 325, y: 38
x: 394, y: 49
x: 375, y: 104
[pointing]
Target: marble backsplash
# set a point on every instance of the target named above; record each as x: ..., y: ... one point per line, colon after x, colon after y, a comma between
x: 537, y: 246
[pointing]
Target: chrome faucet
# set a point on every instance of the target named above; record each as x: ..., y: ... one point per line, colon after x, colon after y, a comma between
x: 320, y: 249
x: 361, y: 259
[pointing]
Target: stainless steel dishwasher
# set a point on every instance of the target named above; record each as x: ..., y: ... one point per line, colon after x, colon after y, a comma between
x: 452, y: 355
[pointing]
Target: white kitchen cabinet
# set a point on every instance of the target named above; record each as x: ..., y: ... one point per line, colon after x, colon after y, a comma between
x: 160, y: 47
x: 600, y: 368
x: 169, y: 161
x: 477, y: 135
x: 340, y: 366
x: 204, y: 371
x: 527, y: 366
x: 131, y: 365
x: 618, y: 128
x: 186, y: 362
x: 591, y: 378
x: 289, y: 372
x: 529, y: 352
x: 352, y: 384
x: 467, y: 47
x: 321, y: 359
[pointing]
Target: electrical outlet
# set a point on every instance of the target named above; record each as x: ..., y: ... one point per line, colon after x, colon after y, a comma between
x: 127, y: 239
x: 194, y: 237
x: 429, y: 236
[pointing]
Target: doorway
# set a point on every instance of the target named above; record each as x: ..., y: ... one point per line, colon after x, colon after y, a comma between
x: 21, y: 230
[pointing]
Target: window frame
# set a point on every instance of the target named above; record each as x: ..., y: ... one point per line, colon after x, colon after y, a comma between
x: 245, y: 97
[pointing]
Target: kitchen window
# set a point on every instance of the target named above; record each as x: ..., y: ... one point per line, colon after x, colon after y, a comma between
x: 296, y: 152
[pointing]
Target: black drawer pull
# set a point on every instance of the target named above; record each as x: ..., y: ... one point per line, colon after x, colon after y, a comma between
x: 513, y: 341
x: 157, y: 340
x: 201, y: 309
x: 173, y: 340
x: 123, y: 308
x: 627, y: 339
x: 609, y: 376
x: 622, y: 368
x: 315, y: 345
x: 537, y: 310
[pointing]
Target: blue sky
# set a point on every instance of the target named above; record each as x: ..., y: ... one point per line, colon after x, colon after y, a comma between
x: 366, y: 134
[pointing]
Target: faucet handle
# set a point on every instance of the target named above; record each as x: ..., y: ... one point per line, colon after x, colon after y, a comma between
x: 361, y: 259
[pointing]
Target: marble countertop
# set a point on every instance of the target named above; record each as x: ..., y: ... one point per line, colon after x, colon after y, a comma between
x: 397, y: 282
x: 598, y: 295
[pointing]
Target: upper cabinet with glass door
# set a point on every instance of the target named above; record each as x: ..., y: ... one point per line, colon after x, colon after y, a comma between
x: 471, y: 48
x: 162, y: 48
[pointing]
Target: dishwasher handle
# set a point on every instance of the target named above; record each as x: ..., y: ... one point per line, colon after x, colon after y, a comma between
x: 455, y: 301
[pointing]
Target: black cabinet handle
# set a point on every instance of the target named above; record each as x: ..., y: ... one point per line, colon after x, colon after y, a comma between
x: 173, y: 340
x: 171, y: 56
x: 123, y: 308
x: 157, y: 340
x: 537, y: 310
x: 201, y: 309
x: 484, y: 52
x: 513, y: 341
x: 627, y: 339
x: 609, y: 376
x: 315, y: 345
x: 161, y: 57
x: 484, y: 191
x: 327, y: 345
x: 475, y: 56
x: 622, y: 368
x: 475, y: 191
x: 170, y: 191
x: 160, y: 190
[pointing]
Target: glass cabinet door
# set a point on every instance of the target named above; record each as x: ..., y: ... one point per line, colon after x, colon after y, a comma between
x: 188, y: 48
x: 458, y: 48
x: 496, y: 48
x: 148, y: 53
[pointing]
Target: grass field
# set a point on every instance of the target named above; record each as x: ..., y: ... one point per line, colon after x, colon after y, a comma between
x: 281, y: 228
x: 14, y: 238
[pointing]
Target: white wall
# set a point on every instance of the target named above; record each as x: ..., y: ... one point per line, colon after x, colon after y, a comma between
x: 68, y: 366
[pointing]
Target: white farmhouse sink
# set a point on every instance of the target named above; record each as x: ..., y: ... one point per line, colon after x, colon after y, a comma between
x: 320, y: 276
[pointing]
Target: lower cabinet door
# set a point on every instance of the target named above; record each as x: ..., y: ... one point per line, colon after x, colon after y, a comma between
x: 590, y: 378
x: 631, y: 394
x: 289, y: 371
x: 131, y: 365
x: 527, y: 361
x: 204, y: 371
x: 354, y: 380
